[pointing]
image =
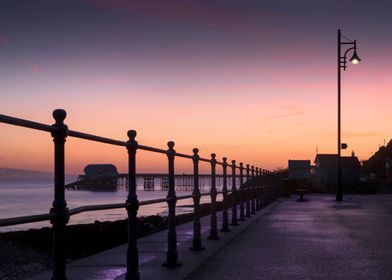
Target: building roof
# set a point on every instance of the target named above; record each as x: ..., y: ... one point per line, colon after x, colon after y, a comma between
x: 330, y: 160
x: 299, y: 164
x: 100, y: 169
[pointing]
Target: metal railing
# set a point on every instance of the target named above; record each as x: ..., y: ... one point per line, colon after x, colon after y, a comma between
x: 260, y: 188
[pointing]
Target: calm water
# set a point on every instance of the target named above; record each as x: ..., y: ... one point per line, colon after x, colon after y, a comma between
x: 29, y: 199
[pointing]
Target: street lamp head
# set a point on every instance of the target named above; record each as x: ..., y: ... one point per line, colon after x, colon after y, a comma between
x: 355, y: 58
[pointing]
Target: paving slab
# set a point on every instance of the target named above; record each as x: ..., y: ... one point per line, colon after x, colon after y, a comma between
x: 316, y: 239
x: 111, y: 264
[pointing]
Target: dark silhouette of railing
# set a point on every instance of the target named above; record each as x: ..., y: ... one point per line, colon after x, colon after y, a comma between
x: 261, y: 187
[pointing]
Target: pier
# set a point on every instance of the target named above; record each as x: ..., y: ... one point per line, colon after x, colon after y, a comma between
x: 151, y: 181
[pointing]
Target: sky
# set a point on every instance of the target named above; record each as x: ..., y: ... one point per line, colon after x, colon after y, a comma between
x: 254, y: 81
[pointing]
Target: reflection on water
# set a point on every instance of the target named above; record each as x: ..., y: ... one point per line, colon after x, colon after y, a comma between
x: 29, y: 199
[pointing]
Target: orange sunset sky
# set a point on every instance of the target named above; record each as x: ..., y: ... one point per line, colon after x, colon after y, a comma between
x: 254, y: 81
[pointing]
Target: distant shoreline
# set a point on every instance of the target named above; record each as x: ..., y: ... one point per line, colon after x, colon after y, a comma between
x: 15, y: 175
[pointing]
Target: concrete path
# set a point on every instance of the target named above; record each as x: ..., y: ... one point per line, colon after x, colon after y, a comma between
x: 316, y: 239
x: 152, y: 254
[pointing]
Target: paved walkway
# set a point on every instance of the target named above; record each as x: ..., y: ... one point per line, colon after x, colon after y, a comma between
x: 315, y: 239
x: 152, y: 254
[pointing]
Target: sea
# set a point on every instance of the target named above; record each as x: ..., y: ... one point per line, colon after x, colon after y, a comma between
x: 23, y: 199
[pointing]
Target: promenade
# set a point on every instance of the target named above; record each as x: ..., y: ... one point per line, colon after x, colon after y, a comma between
x: 316, y: 239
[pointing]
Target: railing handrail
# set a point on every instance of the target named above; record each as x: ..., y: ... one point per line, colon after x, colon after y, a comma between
x: 26, y: 123
x: 86, y: 136
x: 95, y: 207
x: 25, y: 219
x: 96, y: 138
x: 256, y: 192
x: 82, y: 135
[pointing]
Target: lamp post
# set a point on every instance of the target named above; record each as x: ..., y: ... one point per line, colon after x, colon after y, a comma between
x: 342, y: 63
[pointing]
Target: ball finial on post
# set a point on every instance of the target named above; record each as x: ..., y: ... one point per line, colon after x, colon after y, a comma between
x: 59, y: 115
x: 132, y: 144
x: 131, y: 134
x: 170, y: 144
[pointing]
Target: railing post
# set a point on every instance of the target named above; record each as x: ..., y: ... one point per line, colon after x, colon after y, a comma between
x: 234, y: 221
x: 253, y: 190
x: 272, y: 188
x: 257, y: 189
x: 197, y: 245
x: 59, y: 204
x: 247, y: 193
x: 172, y: 253
x: 225, y: 216
x: 242, y: 210
x: 268, y: 190
x: 261, y: 188
x: 132, y: 200
x: 213, y: 193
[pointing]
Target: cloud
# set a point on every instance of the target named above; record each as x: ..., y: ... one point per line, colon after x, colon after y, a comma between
x: 36, y: 69
x: 287, y: 115
x: 4, y: 41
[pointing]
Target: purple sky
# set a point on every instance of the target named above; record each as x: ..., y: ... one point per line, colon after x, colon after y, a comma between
x: 251, y: 80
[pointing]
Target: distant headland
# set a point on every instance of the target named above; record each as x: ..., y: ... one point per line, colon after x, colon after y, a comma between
x: 10, y: 175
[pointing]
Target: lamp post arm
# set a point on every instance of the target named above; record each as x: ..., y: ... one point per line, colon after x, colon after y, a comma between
x: 352, y: 48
